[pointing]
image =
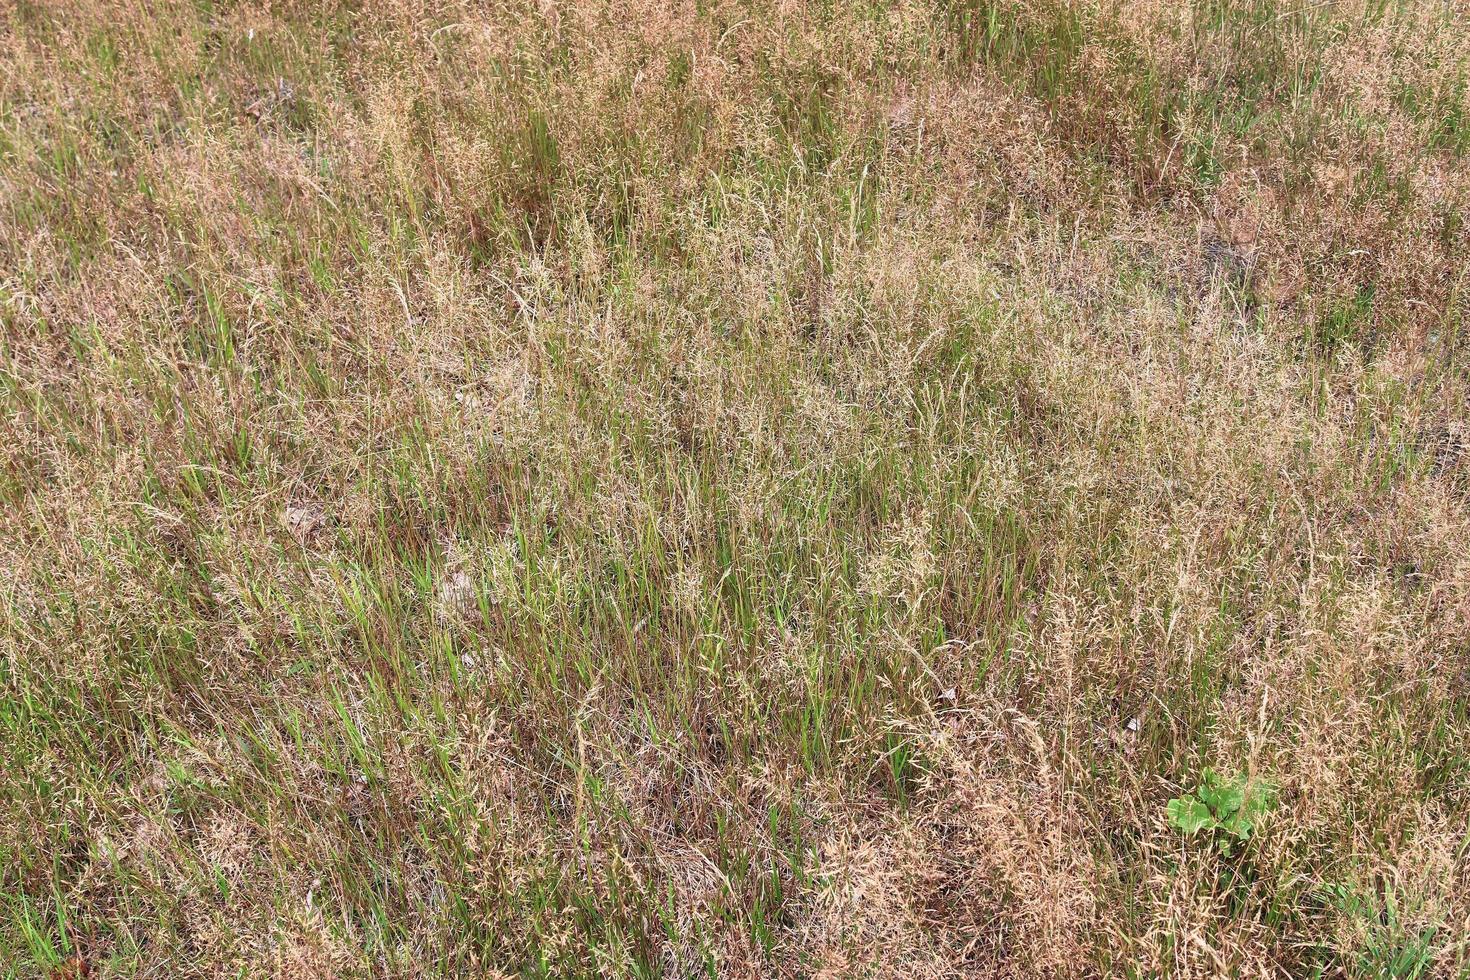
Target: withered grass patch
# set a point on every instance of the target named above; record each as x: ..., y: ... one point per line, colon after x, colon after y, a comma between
x: 732, y: 489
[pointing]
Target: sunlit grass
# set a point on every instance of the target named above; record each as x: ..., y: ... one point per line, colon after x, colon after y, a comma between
x: 574, y: 489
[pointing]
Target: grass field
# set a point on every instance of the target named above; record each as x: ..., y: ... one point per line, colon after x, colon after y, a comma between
x: 735, y: 488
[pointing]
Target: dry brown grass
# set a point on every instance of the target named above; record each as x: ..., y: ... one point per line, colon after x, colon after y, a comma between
x: 734, y: 489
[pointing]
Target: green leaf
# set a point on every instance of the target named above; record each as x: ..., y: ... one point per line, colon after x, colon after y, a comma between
x: 1189, y: 815
x: 1223, y: 798
x: 1260, y: 800
x: 1239, y: 825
